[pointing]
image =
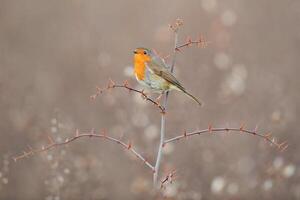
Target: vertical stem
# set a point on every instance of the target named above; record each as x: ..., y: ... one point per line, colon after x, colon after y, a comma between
x: 163, y: 119
x: 162, y: 139
x: 174, y: 51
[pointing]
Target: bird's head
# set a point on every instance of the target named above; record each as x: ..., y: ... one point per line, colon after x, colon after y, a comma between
x: 142, y: 55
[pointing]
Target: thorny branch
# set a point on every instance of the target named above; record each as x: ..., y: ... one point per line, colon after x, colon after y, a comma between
x: 175, y: 27
x: 189, y: 42
x: 52, y: 144
x: 200, y: 42
x: 125, y: 85
x: 267, y: 137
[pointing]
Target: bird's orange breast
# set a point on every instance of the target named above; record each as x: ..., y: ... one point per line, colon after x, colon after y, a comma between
x: 140, y: 66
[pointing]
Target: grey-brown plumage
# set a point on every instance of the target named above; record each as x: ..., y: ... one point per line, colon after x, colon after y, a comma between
x: 159, y: 78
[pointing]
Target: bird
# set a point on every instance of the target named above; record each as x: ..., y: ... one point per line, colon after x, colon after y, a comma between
x: 152, y: 72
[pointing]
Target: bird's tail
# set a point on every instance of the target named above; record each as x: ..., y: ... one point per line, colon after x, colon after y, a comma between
x: 182, y: 89
x: 192, y: 97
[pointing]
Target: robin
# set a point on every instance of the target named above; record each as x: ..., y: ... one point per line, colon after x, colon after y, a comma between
x: 152, y: 72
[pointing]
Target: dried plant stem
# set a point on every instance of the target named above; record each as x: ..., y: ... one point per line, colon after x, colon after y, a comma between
x: 52, y: 144
x: 163, y: 118
x: 160, y: 148
x: 267, y: 137
x: 200, y: 42
x: 125, y: 85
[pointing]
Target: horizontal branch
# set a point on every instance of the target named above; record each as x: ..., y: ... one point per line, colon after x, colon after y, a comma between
x: 52, y: 144
x: 125, y: 85
x: 267, y: 137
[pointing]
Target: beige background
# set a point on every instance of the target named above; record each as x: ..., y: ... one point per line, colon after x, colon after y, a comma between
x: 54, y: 53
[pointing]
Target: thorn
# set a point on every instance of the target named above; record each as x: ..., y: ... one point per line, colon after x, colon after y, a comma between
x: 242, y: 127
x: 30, y: 148
x: 284, y: 147
x: 177, y: 49
x: 171, y: 27
x: 166, y: 57
x: 104, y: 133
x: 92, y: 132
x: 99, y: 90
x: 77, y: 132
x: 255, y: 130
x: 129, y: 145
x: 179, y: 22
x: 227, y: 129
x: 184, y: 134
x: 210, y: 128
x: 282, y: 144
x: 163, y: 145
x: 200, y: 44
x: 200, y: 38
x: 143, y: 95
x: 161, y: 186
x: 142, y: 91
x: 121, y: 136
x: 268, y: 136
x: 111, y: 84
x: 188, y: 40
x: 67, y: 140
x: 126, y: 84
x: 51, y: 141
x: 15, y: 159
x: 93, y: 97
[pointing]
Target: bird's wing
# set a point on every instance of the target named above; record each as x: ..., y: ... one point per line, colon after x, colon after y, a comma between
x: 159, y: 61
x: 159, y: 67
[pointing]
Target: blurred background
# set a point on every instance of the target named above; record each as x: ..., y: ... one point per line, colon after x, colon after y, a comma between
x: 54, y: 53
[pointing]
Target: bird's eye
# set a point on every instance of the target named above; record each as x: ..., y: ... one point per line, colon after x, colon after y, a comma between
x: 145, y: 52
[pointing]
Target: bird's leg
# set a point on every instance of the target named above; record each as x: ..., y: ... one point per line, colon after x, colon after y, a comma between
x: 157, y: 100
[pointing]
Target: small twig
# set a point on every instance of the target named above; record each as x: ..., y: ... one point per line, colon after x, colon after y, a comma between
x: 267, y: 137
x: 92, y: 133
x: 200, y: 42
x: 125, y: 85
x: 169, y: 178
x: 176, y: 25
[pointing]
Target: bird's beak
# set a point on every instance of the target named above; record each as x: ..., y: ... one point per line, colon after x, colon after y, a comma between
x: 135, y: 52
